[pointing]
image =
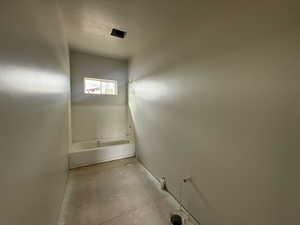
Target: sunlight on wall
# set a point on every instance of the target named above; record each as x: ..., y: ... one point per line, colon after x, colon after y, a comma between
x: 149, y: 90
x: 31, y: 80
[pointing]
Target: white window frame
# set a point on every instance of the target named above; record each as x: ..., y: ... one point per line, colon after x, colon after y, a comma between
x: 101, y: 80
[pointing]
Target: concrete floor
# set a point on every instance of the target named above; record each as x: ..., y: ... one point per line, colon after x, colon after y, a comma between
x: 116, y: 193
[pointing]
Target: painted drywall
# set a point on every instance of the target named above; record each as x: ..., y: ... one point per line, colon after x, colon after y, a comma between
x: 98, y: 116
x: 217, y: 100
x: 34, y: 101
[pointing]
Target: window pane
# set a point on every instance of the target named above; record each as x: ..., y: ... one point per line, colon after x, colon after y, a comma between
x: 92, y: 86
x: 108, y: 87
x: 100, y: 86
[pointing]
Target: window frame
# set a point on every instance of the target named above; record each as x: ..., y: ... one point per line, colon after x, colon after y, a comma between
x: 100, y: 80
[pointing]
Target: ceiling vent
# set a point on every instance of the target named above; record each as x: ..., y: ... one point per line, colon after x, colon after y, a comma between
x: 118, y: 33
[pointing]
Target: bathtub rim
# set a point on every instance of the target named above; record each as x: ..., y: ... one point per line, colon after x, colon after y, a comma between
x: 76, y: 150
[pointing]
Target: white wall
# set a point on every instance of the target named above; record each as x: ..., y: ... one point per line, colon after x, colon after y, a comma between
x: 34, y: 99
x: 96, y: 116
x: 218, y: 100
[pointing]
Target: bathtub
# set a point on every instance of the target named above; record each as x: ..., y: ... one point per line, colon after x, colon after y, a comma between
x: 97, y: 151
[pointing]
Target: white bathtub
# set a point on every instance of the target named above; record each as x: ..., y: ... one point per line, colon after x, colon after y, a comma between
x: 97, y: 151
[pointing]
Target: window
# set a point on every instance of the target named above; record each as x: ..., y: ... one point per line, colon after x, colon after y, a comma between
x: 100, y: 87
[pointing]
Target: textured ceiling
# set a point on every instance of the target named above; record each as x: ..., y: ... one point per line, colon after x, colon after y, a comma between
x: 88, y: 23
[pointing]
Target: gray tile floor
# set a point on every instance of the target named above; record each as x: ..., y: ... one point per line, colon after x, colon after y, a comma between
x: 115, y: 193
